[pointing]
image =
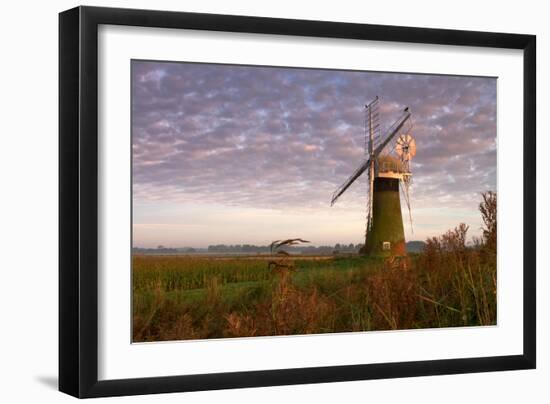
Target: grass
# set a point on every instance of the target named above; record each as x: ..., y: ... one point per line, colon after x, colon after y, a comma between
x: 447, y: 285
x: 182, y: 297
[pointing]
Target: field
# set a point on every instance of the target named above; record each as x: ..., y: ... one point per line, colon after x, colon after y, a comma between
x: 189, y: 297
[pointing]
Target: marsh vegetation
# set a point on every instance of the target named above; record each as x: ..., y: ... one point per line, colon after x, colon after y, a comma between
x: 450, y: 283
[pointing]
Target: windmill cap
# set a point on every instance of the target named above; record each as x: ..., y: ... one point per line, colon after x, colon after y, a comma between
x: 389, y: 163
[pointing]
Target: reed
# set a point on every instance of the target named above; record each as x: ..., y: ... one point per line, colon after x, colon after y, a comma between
x: 449, y: 284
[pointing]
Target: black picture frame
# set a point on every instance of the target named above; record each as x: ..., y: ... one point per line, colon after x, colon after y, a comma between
x: 78, y: 201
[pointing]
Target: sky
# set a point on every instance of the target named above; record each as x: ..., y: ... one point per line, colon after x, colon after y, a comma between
x: 229, y: 154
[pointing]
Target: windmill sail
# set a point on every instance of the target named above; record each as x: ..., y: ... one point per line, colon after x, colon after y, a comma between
x: 372, y: 131
x: 405, y: 190
x: 406, y: 149
x: 392, y: 131
x: 342, y: 188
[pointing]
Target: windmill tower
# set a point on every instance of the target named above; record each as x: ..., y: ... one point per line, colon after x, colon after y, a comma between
x: 387, y: 163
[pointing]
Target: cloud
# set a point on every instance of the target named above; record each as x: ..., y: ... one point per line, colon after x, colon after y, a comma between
x: 285, y: 138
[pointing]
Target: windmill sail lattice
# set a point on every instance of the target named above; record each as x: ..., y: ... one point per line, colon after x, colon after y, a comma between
x: 372, y: 132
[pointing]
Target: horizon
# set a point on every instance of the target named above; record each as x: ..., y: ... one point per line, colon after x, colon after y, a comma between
x: 253, y: 245
x: 229, y: 154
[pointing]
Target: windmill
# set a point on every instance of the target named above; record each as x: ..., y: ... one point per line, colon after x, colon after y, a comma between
x: 387, y: 163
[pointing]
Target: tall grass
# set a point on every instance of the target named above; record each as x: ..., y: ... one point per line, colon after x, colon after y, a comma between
x: 184, y: 273
x: 447, y: 285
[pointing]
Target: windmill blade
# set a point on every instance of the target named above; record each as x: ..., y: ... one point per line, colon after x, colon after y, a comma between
x: 405, y: 189
x: 356, y: 174
x: 370, y: 200
x: 393, y: 130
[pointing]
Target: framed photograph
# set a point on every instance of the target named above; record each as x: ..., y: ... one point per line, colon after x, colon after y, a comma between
x: 251, y: 201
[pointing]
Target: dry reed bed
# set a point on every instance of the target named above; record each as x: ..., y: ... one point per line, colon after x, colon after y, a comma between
x: 441, y: 289
x: 447, y: 285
